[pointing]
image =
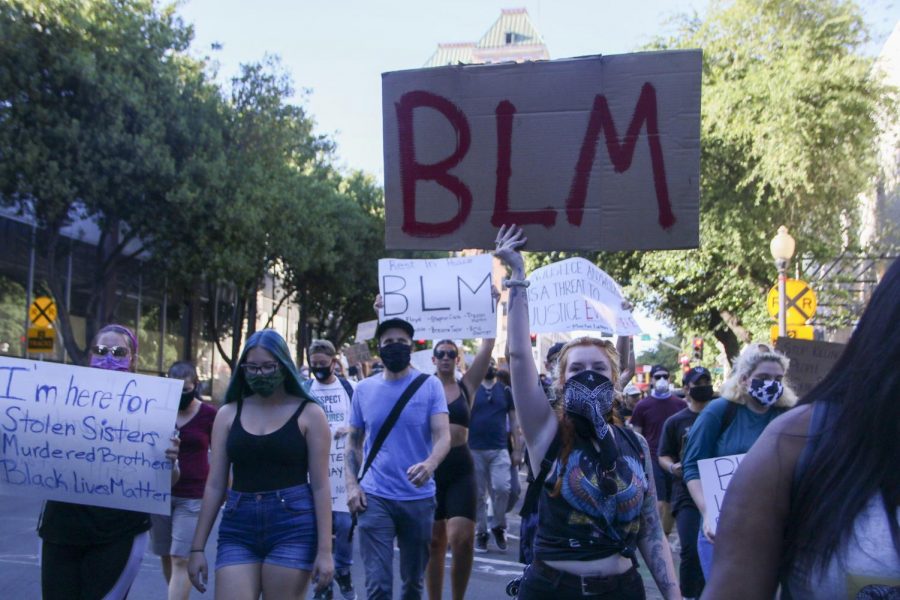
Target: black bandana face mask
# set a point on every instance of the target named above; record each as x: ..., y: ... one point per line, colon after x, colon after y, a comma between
x: 589, y: 394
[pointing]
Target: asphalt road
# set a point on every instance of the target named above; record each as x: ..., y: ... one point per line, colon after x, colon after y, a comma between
x: 20, y: 572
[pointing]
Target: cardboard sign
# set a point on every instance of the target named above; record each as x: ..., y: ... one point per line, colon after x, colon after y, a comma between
x: 357, y: 353
x: 87, y: 436
x: 421, y: 361
x: 366, y: 330
x: 441, y: 298
x: 574, y: 294
x: 599, y: 152
x: 810, y: 361
x: 715, y: 475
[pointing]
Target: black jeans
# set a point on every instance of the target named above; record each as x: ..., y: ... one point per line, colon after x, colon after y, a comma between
x: 537, y: 586
x: 690, y: 574
x: 89, y: 572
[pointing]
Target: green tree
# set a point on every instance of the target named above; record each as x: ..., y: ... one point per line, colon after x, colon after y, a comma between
x: 788, y: 129
x: 662, y: 355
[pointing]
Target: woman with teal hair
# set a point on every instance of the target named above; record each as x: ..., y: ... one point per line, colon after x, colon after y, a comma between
x: 275, y: 532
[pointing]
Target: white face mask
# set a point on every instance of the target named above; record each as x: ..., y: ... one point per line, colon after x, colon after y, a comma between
x: 661, y: 386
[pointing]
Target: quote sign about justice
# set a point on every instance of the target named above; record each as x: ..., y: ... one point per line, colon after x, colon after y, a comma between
x: 590, y: 153
x: 440, y: 298
x: 87, y: 436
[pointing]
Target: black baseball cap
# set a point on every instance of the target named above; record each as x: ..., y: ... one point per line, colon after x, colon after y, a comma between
x: 696, y: 373
x: 554, y: 350
x: 394, y: 324
x: 656, y: 369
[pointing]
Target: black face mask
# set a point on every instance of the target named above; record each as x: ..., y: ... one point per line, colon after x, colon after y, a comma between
x: 186, y: 399
x: 395, y: 356
x: 491, y: 373
x: 321, y: 373
x: 702, y: 393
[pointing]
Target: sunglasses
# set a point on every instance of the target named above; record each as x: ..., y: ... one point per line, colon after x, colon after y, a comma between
x: 117, y: 351
x: 440, y: 354
x: 263, y: 369
x: 660, y: 377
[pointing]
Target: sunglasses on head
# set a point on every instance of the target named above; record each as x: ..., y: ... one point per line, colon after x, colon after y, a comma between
x: 439, y: 354
x: 661, y: 376
x: 117, y: 351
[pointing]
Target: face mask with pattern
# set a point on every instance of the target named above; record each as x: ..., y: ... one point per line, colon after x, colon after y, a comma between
x: 766, y: 392
x: 590, y: 394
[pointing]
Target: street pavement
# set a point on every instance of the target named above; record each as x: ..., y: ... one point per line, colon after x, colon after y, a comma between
x: 20, y: 572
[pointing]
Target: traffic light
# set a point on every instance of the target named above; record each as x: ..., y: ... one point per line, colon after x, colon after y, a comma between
x: 698, y: 349
x: 421, y: 344
x: 533, y: 340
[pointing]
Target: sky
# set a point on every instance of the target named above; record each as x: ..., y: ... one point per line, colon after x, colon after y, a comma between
x: 338, y: 49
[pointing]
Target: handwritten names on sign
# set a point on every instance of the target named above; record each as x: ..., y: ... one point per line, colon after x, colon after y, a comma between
x: 87, y: 436
x: 574, y: 294
x: 441, y: 298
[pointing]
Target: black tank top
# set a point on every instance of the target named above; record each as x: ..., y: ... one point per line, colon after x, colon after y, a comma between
x: 566, y: 532
x: 459, y: 408
x: 263, y: 463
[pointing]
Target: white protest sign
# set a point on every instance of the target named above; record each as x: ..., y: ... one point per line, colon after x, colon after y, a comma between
x: 366, y: 330
x: 574, y: 295
x: 421, y: 361
x: 590, y: 153
x: 87, y: 436
x: 337, y: 409
x: 441, y: 298
x: 715, y: 475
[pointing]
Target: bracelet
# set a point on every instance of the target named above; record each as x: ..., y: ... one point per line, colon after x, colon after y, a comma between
x: 671, y: 468
x: 197, y: 550
x: 508, y: 283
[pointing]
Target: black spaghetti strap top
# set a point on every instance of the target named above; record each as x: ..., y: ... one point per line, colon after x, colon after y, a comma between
x: 459, y: 408
x: 264, y: 463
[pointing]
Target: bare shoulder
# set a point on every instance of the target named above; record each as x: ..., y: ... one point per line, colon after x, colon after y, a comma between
x: 788, y: 431
x: 226, y: 413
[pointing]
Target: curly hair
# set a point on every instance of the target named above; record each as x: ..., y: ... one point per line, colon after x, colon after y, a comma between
x: 735, y: 387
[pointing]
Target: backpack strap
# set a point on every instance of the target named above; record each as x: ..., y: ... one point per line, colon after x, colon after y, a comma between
x: 347, y: 387
x: 633, y: 441
x: 534, y: 488
x: 464, y: 392
x: 728, y: 418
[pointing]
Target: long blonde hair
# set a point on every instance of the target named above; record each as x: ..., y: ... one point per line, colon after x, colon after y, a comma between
x: 735, y: 387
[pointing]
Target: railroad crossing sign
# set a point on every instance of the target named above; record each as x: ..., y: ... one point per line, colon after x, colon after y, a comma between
x: 42, y: 312
x: 796, y: 332
x: 40, y: 339
x: 800, y: 301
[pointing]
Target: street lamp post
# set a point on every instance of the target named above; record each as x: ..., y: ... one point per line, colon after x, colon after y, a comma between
x: 782, y: 248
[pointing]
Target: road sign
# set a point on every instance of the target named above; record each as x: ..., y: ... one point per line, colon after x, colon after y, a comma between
x: 800, y: 301
x: 40, y: 339
x: 797, y: 332
x: 42, y: 312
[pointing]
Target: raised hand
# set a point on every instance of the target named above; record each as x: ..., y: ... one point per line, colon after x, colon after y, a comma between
x: 509, y: 239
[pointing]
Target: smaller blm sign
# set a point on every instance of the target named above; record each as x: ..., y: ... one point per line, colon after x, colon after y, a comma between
x: 715, y: 475
x: 810, y: 361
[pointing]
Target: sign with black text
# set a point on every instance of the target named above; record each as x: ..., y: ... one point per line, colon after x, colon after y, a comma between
x: 87, y: 436
x: 715, y: 475
x: 442, y: 297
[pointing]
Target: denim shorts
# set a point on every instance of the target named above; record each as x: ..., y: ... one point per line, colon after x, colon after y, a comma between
x: 277, y: 528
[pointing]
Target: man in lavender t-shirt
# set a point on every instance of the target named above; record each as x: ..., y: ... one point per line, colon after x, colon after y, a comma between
x: 648, y: 419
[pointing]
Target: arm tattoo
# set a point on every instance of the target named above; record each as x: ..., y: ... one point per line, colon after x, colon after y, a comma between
x: 353, y: 455
x: 652, y: 538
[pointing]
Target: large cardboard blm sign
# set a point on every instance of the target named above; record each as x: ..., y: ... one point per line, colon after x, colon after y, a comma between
x: 810, y: 361
x: 88, y: 436
x: 601, y: 152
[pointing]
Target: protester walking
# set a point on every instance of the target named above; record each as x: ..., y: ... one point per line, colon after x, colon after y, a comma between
x: 597, y: 503
x: 172, y: 534
x: 92, y: 552
x: 829, y: 528
x: 275, y: 533
x: 399, y: 425
x: 336, y: 395
x: 752, y: 397
x: 699, y: 391
x: 454, y: 515
x: 493, y: 417
x: 648, y: 418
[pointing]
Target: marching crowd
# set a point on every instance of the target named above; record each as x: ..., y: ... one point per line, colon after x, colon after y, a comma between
x: 812, y: 512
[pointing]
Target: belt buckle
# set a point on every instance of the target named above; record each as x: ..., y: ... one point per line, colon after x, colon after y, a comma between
x: 585, y: 591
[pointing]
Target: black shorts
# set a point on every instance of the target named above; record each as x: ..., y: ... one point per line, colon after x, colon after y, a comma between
x: 663, y: 482
x: 455, y: 482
